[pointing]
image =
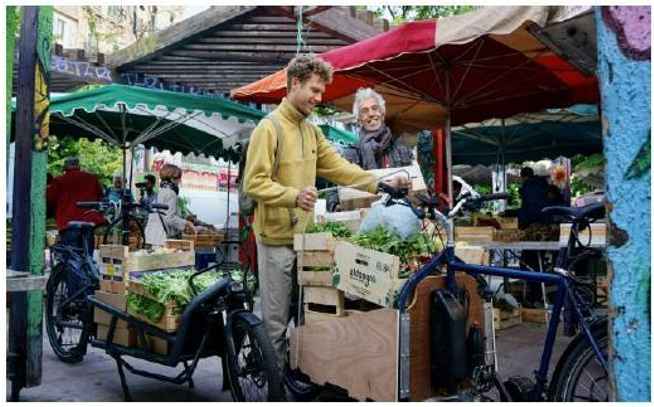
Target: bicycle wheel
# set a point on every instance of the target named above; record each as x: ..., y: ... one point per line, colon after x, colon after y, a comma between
x: 579, y: 375
x: 67, y: 325
x: 252, y: 369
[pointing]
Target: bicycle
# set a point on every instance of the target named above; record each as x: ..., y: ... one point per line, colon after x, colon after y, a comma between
x: 583, y: 364
x: 217, y: 322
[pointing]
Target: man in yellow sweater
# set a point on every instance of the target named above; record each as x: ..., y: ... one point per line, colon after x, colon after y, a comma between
x: 286, y: 197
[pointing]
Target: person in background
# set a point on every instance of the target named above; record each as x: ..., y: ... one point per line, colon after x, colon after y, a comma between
x: 285, y: 201
x: 148, y: 193
x: 168, y: 224
x: 62, y: 195
x: 533, y: 194
x: 377, y: 147
x: 115, y: 191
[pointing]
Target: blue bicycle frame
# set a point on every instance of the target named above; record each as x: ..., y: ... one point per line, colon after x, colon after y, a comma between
x: 447, y: 257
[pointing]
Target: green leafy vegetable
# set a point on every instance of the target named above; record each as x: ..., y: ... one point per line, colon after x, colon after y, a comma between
x: 338, y: 230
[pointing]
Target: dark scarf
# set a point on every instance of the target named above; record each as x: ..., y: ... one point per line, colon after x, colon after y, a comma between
x: 170, y: 185
x: 374, y: 145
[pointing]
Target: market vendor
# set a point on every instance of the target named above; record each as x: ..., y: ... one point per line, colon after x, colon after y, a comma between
x: 377, y: 147
x: 167, y: 224
x: 286, y: 199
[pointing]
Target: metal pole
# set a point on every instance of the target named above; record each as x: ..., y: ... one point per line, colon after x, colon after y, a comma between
x: 448, y: 137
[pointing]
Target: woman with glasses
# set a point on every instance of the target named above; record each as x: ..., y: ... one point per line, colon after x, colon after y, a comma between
x: 168, y: 224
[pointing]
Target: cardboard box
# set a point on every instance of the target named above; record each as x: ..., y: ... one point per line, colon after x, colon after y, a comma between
x: 122, y: 336
x: 368, y: 274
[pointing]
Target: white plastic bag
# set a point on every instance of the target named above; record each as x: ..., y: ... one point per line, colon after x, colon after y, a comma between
x: 397, y: 218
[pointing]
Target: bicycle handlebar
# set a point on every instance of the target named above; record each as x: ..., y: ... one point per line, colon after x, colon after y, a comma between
x: 105, y: 205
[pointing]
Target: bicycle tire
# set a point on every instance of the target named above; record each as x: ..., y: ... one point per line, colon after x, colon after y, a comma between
x: 577, y: 357
x: 260, y: 367
x: 75, y: 353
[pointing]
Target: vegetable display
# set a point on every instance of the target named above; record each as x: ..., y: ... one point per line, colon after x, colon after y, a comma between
x: 173, y: 286
x: 413, y: 252
x: 337, y: 230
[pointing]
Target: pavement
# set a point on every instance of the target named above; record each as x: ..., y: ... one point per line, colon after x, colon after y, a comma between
x: 95, y: 379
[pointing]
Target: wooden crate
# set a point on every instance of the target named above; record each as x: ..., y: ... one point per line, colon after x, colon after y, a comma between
x: 315, y: 258
x: 472, y: 254
x: 508, y: 235
x: 122, y: 336
x: 179, y: 244
x: 118, y: 301
x: 474, y: 233
x: 504, y: 319
x: 596, y: 237
x: 508, y: 223
x: 118, y: 260
x: 204, y: 240
x: 135, y: 242
x: 351, y: 219
x: 327, y: 300
x: 157, y: 345
x: 359, y: 352
x: 535, y: 315
x: 169, y: 322
x: 368, y: 274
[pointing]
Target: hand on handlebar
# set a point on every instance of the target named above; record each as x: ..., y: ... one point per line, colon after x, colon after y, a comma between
x: 307, y: 198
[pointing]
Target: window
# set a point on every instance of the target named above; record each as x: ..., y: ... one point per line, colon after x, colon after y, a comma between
x: 115, y: 11
x: 60, y: 30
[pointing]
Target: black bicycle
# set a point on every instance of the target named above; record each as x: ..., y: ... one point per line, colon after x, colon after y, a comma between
x: 217, y: 322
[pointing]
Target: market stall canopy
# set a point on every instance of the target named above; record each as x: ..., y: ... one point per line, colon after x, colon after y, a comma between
x: 529, y: 136
x: 339, y: 135
x: 488, y: 63
x: 130, y: 115
x: 174, y: 121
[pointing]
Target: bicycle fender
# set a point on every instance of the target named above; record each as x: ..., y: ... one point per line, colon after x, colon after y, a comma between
x: 252, y: 319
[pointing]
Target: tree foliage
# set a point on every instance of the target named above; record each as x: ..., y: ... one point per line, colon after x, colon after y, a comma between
x: 97, y: 157
x: 401, y: 14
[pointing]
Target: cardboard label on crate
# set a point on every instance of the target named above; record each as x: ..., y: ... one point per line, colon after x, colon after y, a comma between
x: 368, y: 274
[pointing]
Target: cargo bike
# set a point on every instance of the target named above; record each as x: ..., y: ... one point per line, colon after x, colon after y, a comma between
x: 420, y: 347
x: 217, y: 322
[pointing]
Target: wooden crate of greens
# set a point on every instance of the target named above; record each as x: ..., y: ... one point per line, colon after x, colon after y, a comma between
x: 315, y: 258
x: 169, y: 321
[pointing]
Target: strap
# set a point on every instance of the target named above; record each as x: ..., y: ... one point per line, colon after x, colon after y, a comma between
x: 278, y: 152
x: 163, y: 224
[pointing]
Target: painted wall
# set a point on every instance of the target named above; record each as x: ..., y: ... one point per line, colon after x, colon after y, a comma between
x: 624, y: 62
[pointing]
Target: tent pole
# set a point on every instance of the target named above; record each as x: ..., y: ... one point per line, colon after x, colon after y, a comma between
x: 448, y: 138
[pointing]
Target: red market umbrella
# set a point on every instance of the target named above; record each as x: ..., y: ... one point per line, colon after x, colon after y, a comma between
x: 441, y: 73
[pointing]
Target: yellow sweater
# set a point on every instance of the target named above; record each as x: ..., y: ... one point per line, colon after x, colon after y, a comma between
x: 305, y: 153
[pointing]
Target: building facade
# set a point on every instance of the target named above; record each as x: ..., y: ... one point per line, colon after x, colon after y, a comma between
x: 107, y: 29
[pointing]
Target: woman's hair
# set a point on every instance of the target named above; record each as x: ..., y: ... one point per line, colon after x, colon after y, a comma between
x: 367, y: 93
x: 170, y: 171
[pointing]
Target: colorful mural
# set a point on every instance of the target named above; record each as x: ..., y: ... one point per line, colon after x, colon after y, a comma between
x: 624, y: 69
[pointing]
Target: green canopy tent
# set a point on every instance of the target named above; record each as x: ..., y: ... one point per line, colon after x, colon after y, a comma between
x: 530, y: 136
x: 339, y: 135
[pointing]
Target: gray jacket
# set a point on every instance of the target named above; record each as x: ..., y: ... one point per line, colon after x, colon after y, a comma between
x: 155, y: 233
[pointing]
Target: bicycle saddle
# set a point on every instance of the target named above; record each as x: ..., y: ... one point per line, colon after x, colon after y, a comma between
x: 79, y: 225
x: 594, y: 211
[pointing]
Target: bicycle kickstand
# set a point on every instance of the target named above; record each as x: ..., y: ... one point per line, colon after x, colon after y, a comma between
x: 123, y: 382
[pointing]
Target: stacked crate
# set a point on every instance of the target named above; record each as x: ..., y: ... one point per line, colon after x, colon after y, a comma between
x: 124, y: 334
x: 315, y: 264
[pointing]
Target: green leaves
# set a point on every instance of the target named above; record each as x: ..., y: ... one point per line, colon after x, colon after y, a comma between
x: 337, y: 230
x: 383, y: 240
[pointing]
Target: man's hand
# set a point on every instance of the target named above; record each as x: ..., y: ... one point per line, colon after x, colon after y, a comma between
x: 306, y: 199
x: 399, y: 180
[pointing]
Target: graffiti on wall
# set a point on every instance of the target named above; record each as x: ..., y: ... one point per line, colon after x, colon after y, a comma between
x: 632, y: 27
x: 81, y: 69
x: 152, y: 82
x: 42, y: 86
x: 624, y: 67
